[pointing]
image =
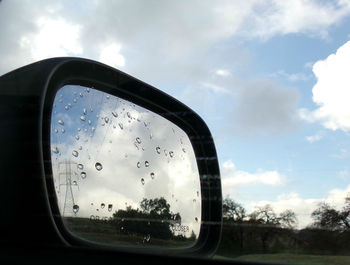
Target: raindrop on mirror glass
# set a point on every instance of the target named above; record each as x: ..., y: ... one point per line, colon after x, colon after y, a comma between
x: 143, y: 181
x: 171, y: 153
x: 121, y: 126
x: 158, y: 149
x: 75, y: 208
x: 56, y: 131
x: 79, y: 129
x: 75, y: 153
x: 115, y: 114
x: 110, y: 207
x: 61, y: 122
x: 66, y: 107
x: 138, y: 140
x: 80, y: 166
x: 146, y: 164
x: 106, y: 119
x: 87, y: 89
x: 107, y: 97
x: 83, y: 175
x: 77, y: 137
x: 75, y: 183
x: 152, y: 175
x: 102, y: 205
x: 98, y: 166
x: 75, y: 100
x: 81, y: 94
x: 82, y: 118
x: 196, y: 219
x: 84, y: 111
x: 80, y: 148
x: 184, y: 150
x: 63, y: 130
x: 129, y: 115
x: 89, y: 122
x: 55, y: 150
x: 138, y: 164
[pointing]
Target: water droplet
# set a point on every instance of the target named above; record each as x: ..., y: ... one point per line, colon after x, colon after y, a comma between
x: 196, y: 219
x: 77, y: 137
x: 107, y: 97
x: 75, y: 208
x: 75, y: 183
x: 75, y: 100
x: 171, y: 153
x: 138, y: 140
x: 56, y: 131
x: 87, y: 89
x: 82, y: 118
x: 75, y: 153
x: 146, y: 164
x: 165, y: 152
x: 102, y: 205
x: 89, y: 122
x: 83, y: 175
x: 80, y: 166
x: 184, y: 150
x: 93, y: 129
x: 194, y: 200
x: 152, y: 175
x: 84, y: 111
x: 63, y: 130
x: 138, y: 164
x: 92, y: 217
x: 158, y: 149
x: 110, y: 207
x: 115, y: 114
x: 98, y: 166
x: 80, y: 148
x: 61, y: 122
x: 81, y: 94
x: 79, y: 129
x: 106, y: 119
x: 143, y: 181
x: 66, y: 107
x: 129, y: 115
x: 121, y: 126
x: 55, y: 150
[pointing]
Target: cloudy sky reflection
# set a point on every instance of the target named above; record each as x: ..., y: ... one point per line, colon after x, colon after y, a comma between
x: 142, y: 155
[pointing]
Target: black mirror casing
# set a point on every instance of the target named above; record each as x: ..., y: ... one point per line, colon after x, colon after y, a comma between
x: 30, y: 212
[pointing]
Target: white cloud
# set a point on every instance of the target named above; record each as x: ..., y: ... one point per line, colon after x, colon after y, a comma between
x: 295, y: 77
x: 55, y: 37
x: 313, y: 138
x: 303, y: 207
x: 331, y: 93
x: 110, y: 54
x: 222, y: 72
x: 232, y: 179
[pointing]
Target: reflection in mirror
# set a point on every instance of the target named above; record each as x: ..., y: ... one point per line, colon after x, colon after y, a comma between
x: 123, y: 175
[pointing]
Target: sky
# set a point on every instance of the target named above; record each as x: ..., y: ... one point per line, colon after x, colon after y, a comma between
x: 269, y: 78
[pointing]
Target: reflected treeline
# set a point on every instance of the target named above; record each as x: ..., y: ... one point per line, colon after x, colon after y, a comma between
x: 264, y: 231
x: 152, y: 223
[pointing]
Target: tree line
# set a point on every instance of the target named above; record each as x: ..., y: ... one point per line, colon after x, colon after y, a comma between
x: 265, y: 231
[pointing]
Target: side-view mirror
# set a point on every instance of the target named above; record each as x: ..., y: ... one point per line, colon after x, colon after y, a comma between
x: 110, y: 162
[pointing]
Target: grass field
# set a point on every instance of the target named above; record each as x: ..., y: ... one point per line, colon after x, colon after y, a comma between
x: 293, y: 259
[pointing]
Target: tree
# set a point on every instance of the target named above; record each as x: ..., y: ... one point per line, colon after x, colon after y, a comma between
x: 269, y: 224
x: 328, y: 217
x: 153, y: 220
x: 232, y: 211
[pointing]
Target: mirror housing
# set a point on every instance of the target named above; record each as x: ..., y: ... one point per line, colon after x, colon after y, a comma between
x: 27, y: 95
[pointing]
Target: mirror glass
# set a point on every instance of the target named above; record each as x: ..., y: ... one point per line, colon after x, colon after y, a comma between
x: 123, y: 175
